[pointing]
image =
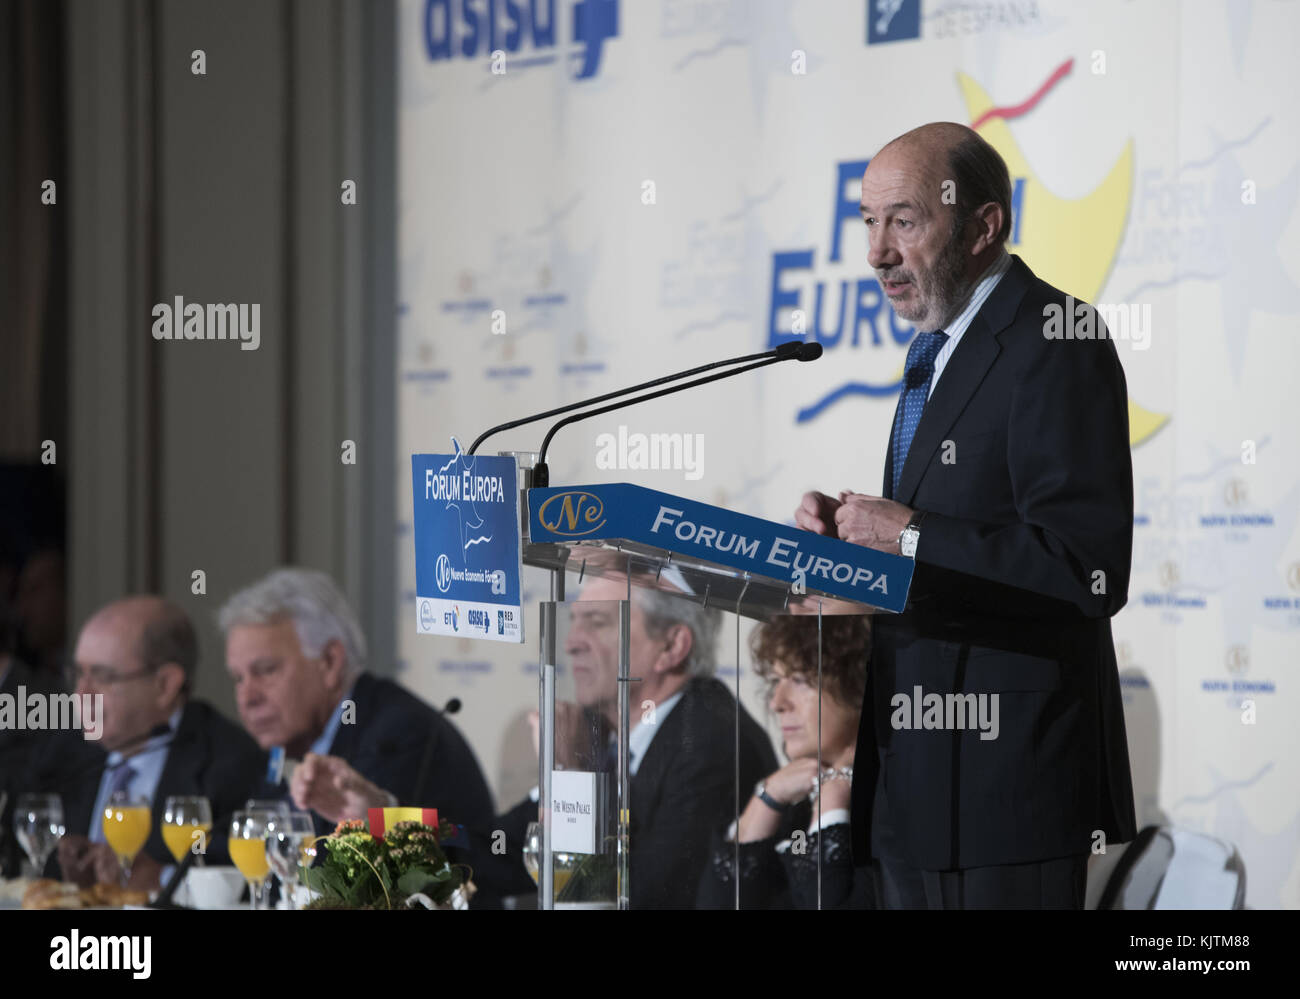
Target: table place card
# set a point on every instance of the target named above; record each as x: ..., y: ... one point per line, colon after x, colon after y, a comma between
x: 573, y: 811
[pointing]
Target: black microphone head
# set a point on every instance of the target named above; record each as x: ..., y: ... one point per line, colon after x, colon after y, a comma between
x: 789, y: 349
x: 452, y: 706
x: 809, y: 351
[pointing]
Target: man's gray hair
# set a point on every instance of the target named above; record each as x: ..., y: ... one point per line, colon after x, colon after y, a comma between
x: 319, y: 612
x: 981, y: 176
x: 662, y: 610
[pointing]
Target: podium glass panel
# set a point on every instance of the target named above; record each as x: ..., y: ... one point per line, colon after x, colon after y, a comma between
x: 770, y: 690
x: 804, y: 678
x: 651, y: 798
x: 694, y: 579
x: 583, y: 780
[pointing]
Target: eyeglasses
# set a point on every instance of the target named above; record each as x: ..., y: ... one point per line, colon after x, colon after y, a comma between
x: 798, y: 679
x: 100, y: 676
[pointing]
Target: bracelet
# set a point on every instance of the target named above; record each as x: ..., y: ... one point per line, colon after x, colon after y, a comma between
x: 827, y: 775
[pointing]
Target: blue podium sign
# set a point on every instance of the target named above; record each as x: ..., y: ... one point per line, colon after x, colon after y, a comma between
x: 660, y: 520
x: 468, y: 563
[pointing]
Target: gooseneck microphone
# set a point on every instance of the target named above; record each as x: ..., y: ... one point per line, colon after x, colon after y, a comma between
x: 430, y: 746
x: 786, y: 352
x: 782, y: 353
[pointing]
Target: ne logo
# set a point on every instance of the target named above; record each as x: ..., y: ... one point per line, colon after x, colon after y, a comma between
x: 573, y: 508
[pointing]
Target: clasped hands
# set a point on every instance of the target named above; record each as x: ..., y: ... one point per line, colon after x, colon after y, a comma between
x: 857, y: 518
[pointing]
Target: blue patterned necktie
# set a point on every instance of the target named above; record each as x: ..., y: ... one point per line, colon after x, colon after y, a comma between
x: 120, y: 777
x: 917, y: 375
x: 125, y: 773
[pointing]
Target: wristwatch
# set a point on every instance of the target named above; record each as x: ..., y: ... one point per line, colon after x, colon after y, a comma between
x: 760, y: 792
x: 910, y: 535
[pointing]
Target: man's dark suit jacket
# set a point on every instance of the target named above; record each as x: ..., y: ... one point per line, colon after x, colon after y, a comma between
x: 682, y: 792
x: 1023, y: 558
x: 404, y: 746
x: 209, y: 756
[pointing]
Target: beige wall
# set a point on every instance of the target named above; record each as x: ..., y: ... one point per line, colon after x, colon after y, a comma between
x: 225, y: 188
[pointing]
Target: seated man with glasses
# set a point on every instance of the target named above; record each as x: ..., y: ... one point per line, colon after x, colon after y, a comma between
x: 136, y: 658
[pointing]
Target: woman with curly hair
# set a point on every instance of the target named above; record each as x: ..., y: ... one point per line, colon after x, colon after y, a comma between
x: 801, y: 811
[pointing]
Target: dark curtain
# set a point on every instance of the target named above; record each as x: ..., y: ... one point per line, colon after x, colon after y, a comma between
x: 33, y: 329
x: 33, y: 258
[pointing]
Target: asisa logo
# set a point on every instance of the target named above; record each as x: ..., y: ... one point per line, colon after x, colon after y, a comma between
x: 471, y: 29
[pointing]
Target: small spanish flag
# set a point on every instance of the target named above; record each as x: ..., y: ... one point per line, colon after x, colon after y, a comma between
x: 385, y: 818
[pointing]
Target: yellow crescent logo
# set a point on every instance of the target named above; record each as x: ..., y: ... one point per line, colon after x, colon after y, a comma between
x: 1079, y: 263
x: 574, y: 508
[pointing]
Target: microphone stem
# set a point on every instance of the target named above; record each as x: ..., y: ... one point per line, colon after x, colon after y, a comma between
x: 546, y: 441
x: 610, y: 395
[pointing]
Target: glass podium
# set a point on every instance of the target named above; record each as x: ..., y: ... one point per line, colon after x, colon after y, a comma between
x: 654, y: 730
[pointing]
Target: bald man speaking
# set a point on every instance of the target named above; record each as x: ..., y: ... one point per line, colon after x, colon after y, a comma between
x: 991, y: 758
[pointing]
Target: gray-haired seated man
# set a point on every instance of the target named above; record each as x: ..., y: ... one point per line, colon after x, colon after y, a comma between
x: 297, y: 656
x: 683, y: 759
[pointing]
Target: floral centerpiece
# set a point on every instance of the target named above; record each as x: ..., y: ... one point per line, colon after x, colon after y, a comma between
x: 400, y: 869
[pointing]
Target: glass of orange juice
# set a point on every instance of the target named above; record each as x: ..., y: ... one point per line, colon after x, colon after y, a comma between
x: 563, y: 866
x: 187, y: 825
x: 126, y: 828
x: 248, y: 832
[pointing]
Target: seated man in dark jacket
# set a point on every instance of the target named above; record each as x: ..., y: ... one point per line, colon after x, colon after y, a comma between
x: 794, y: 817
x: 683, y: 750
x: 297, y: 657
x: 151, y: 740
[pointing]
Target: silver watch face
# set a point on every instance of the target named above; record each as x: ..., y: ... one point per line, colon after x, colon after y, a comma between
x: 907, y: 543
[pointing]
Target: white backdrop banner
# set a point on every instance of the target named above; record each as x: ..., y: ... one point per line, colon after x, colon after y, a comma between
x: 595, y: 192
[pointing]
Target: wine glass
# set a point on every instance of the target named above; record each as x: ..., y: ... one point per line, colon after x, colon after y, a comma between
x: 248, y: 832
x: 38, y: 824
x: 563, y: 866
x: 286, y: 848
x: 187, y: 822
x: 126, y: 828
x: 533, y: 850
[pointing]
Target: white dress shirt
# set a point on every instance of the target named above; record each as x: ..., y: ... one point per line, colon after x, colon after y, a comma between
x: 983, y: 289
